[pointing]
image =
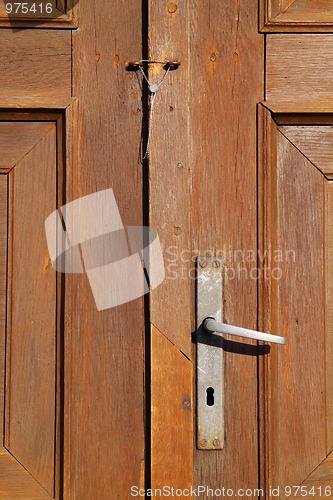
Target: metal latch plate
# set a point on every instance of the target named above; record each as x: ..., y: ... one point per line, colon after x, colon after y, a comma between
x: 210, y: 417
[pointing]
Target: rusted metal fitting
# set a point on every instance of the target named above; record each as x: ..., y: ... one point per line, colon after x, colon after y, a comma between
x: 167, y: 65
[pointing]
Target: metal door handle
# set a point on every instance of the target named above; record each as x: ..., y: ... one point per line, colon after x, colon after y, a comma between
x: 211, y: 326
x: 210, y: 353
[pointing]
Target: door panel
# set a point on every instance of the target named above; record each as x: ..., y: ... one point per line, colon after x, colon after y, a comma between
x: 202, y: 174
x: 30, y: 328
x: 320, y: 481
x: 172, y: 303
x: 111, y: 403
x: 306, y: 138
x: 35, y: 63
x: 296, y: 241
x: 227, y: 82
x: 104, y: 351
x: 16, y: 482
x: 296, y: 15
x: 297, y: 66
x: 31, y: 358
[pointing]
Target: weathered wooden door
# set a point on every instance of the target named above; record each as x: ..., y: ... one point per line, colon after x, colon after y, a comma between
x: 253, y: 187
x: 100, y: 404
x: 72, y: 389
x: 295, y: 235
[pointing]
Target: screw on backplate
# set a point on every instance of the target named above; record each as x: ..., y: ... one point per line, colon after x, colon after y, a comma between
x: 202, y: 443
x: 216, y: 443
x: 202, y: 263
x: 216, y: 263
x: 186, y: 404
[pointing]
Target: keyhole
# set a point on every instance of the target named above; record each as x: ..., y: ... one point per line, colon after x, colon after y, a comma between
x: 210, y: 396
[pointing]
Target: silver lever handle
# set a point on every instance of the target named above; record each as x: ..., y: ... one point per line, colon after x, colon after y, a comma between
x: 211, y: 326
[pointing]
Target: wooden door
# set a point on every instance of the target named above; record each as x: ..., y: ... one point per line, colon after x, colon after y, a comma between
x: 252, y: 187
x: 296, y: 300
x: 101, y: 404
x: 72, y: 378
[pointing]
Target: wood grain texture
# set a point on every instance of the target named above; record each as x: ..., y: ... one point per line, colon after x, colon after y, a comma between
x: 271, y: 8
x: 297, y: 69
x: 301, y: 318
x: 16, y: 482
x: 320, y: 477
x: 3, y: 291
x: 104, y: 365
x: 35, y: 103
x: 31, y: 342
x: 292, y: 189
x: 285, y: 4
x: 314, y: 142
x: 267, y: 307
x: 227, y: 85
x: 170, y: 171
x: 307, y: 112
x: 35, y: 63
x: 172, y: 414
x: 307, y: 11
x: 329, y: 309
x: 305, y: 117
x: 61, y: 5
x: 296, y: 15
x: 17, y: 139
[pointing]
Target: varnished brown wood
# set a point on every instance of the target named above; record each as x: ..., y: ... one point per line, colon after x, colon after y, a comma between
x: 172, y: 414
x: 3, y: 290
x: 17, y: 139
x: 104, y: 365
x: 16, y: 482
x: 170, y: 172
x: 223, y: 117
x: 31, y: 338
x: 306, y: 138
x: 35, y: 63
x: 297, y: 69
x: 296, y: 15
